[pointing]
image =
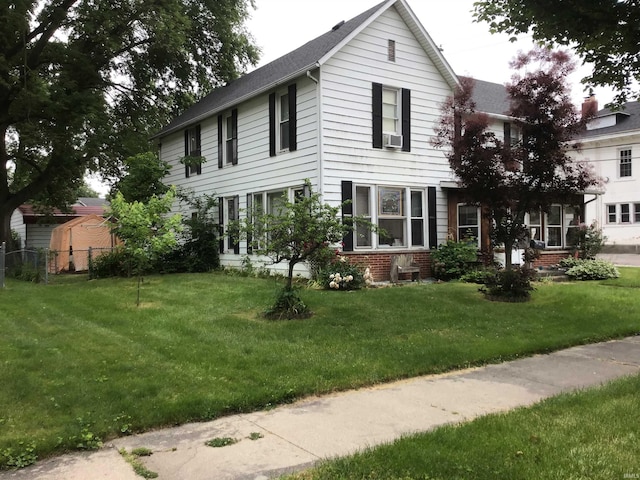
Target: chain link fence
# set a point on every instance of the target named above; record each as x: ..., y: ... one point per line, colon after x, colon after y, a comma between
x: 41, y: 266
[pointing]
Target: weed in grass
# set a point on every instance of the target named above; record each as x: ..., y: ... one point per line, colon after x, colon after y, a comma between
x: 123, y: 423
x: 220, y: 442
x: 86, y: 439
x: 255, y: 436
x: 20, y: 457
x: 133, y: 459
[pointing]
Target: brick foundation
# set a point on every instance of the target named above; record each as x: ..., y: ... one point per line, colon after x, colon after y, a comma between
x: 380, y: 263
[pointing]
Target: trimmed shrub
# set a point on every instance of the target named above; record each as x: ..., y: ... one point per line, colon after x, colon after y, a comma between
x: 454, y: 259
x: 512, y: 285
x: 593, y: 270
x: 481, y: 276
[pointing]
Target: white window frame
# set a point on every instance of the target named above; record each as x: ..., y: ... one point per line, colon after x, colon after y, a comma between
x: 230, y: 216
x: 612, y: 210
x: 548, y: 225
x: 282, y: 122
x: 417, y: 218
x: 227, y: 132
x: 625, y: 162
x: 375, y: 213
x: 193, y: 148
x: 636, y: 213
x: 388, y: 116
x: 538, y: 233
x: 477, y: 226
x: 625, y: 213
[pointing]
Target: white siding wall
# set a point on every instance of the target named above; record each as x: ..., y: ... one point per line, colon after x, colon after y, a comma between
x: 603, y: 154
x: 39, y: 236
x: 347, y: 117
x: 17, y: 224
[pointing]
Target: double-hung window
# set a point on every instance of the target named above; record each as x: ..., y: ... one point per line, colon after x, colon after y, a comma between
x: 571, y: 224
x: 392, y: 216
x: 468, y: 223
x: 535, y: 225
x: 283, y: 121
x: 192, y: 151
x: 553, y: 221
x: 233, y: 209
x: 417, y: 218
x: 625, y: 163
x: 625, y: 213
x: 636, y: 212
x: 363, y: 210
x: 612, y: 213
x: 228, y: 138
x: 390, y: 110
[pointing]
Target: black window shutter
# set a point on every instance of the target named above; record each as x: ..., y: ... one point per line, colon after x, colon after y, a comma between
x: 431, y: 210
x: 406, y: 120
x: 376, y: 109
x: 220, y: 142
x: 236, y: 202
x: 234, y: 136
x: 186, y: 152
x: 293, y: 118
x: 272, y: 125
x: 221, y: 223
x: 249, y: 217
x: 347, y: 213
x: 199, y: 149
x: 507, y: 134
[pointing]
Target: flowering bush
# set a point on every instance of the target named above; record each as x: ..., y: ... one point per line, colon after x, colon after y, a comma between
x: 341, y: 274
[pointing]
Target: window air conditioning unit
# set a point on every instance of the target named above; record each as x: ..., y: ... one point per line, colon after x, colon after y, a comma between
x: 392, y: 141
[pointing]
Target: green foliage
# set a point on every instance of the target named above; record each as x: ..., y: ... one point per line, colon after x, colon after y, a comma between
x: 613, y: 58
x: 512, y: 285
x: 19, y: 457
x: 588, y: 241
x: 219, y: 442
x: 143, y: 178
x: 145, y: 229
x: 294, y: 233
x: 116, y: 263
x: 320, y: 259
x: 593, y: 270
x: 287, y: 306
x: 84, y: 84
x: 341, y: 274
x: 199, y: 330
x: 569, y: 262
x: 198, y: 248
x: 133, y: 459
x: 482, y: 275
x: 453, y: 259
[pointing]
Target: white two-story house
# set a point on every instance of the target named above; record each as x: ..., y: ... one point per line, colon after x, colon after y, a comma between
x: 353, y: 111
x: 612, y: 145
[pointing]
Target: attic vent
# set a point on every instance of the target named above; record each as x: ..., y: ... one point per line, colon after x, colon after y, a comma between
x: 337, y: 25
x: 391, y: 50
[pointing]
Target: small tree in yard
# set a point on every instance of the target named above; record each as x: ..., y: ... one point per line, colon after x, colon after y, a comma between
x: 511, y: 180
x: 293, y: 233
x: 145, y: 229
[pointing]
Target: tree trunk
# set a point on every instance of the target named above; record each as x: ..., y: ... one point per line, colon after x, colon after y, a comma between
x: 290, y: 277
x: 508, y: 255
x: 5, y: 224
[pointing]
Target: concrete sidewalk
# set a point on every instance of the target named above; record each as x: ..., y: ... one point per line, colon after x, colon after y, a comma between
x: 295, y: 436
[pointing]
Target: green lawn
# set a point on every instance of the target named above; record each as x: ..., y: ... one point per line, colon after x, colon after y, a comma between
x: 593, y: 435
x: 80, y: 360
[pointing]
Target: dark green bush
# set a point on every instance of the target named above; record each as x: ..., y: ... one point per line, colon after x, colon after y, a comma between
x: 453, y: 259
x: 593, y: 270
x: 116, y: 263
x: 512, y: 285
x: 482, y: 275
x: 570, y: 262
x: 287, y: 306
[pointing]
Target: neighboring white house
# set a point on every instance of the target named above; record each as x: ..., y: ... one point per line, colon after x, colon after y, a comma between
x: 353, y: 111
x: 612, y: 145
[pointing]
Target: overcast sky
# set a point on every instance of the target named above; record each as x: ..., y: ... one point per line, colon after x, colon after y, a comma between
x: 279, y: 26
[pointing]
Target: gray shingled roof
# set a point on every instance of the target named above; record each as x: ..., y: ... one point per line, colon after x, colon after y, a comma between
x: 628, y: 120
x: 491, y: 97
x: 270, y: 75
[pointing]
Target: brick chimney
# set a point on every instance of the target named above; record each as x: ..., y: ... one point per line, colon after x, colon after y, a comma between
x: 590, y: 105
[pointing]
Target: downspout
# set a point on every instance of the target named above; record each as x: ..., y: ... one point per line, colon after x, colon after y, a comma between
x: 320, y: 173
